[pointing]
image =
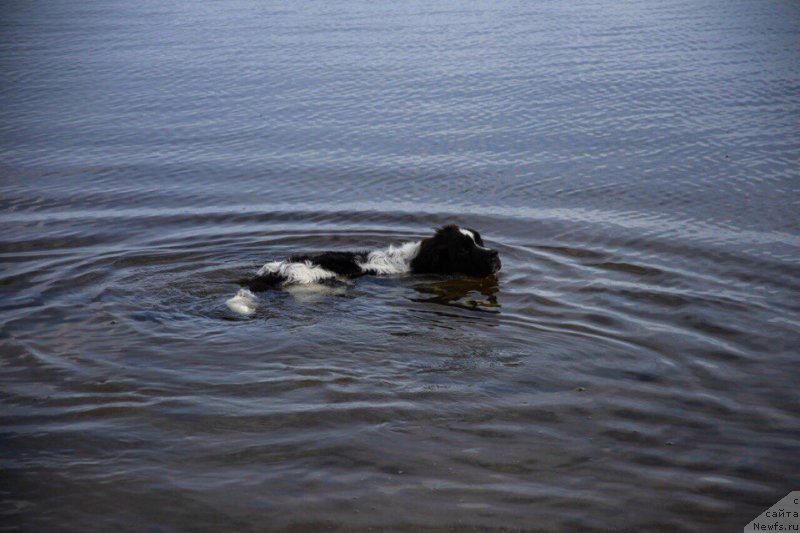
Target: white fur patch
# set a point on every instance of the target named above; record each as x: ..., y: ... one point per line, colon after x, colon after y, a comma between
x: 471, y: 235
x: 305, y: 272
x: 243, y: 303
x: 393, y: 260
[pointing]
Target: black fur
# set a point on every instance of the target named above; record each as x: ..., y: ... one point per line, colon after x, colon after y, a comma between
x: 449, y: 251
x: 261, y: 283
x: 343, y: 263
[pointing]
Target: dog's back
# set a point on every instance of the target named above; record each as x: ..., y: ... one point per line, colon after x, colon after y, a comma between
x: 451, y: 250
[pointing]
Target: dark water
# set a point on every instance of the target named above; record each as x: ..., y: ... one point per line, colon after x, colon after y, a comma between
x: 634, y: 366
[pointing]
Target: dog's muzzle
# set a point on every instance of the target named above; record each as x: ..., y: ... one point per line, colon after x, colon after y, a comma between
x: 495, y: 262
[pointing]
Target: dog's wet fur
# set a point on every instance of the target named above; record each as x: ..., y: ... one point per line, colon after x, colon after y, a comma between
x: 451, y: 250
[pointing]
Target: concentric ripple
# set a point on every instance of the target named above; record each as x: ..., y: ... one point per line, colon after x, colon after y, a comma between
x: 632, y: 367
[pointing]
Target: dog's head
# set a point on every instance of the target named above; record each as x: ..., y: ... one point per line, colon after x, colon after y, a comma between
x: 455, y: 250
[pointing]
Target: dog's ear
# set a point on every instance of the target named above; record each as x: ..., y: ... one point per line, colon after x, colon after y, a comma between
x: 427, y: 259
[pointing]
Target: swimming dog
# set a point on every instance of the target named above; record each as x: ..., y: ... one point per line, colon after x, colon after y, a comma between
x: 451, y: 250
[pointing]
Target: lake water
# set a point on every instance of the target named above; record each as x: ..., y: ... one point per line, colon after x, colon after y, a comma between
x: 634, y: 366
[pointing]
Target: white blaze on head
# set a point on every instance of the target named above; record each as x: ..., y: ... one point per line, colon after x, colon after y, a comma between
x: 471, y: 235
x: 468, y: 233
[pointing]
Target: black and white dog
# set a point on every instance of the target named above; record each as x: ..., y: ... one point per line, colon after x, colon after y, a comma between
x: 451, y: 250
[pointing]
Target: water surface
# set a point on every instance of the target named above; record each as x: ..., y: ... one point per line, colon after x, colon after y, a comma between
x: 633, y: 366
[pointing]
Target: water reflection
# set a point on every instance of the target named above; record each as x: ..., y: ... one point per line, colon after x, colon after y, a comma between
x: 635, y: 167
x: 466, y: 293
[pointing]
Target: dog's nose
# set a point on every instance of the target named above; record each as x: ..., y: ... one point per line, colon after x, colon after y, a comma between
x: 495, y: 259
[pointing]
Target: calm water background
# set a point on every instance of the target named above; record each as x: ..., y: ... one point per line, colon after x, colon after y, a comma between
x: 634, y: 365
